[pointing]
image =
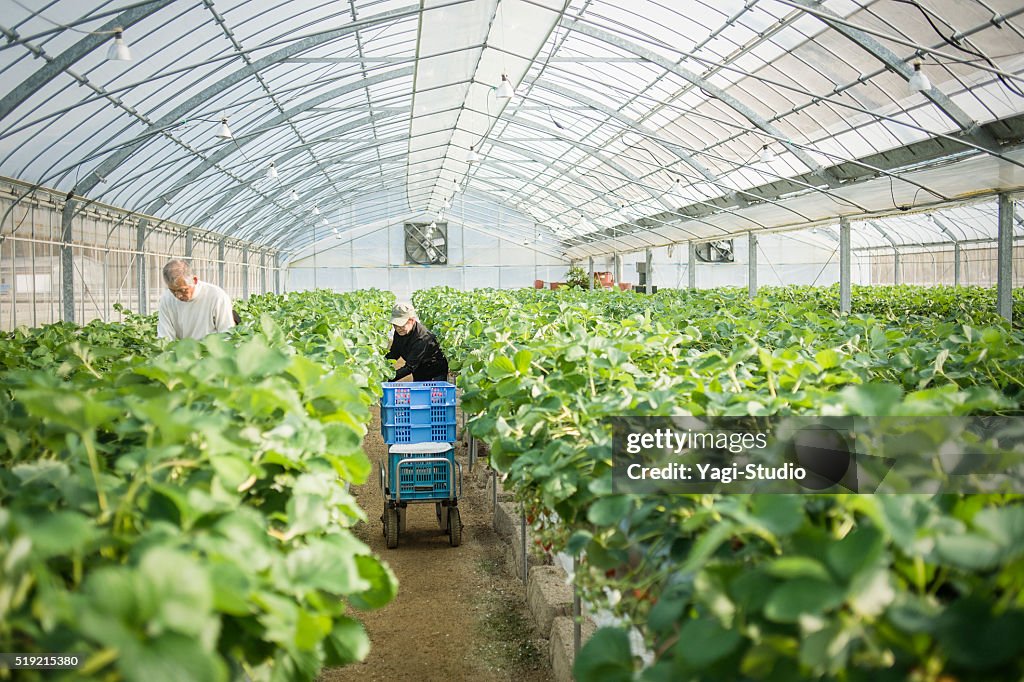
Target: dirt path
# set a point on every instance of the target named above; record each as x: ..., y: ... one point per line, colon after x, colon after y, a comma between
x: 458, y: 615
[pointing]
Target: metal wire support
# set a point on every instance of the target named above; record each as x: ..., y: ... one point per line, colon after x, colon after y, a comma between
x: 576, y: 608
x: 522, y: 521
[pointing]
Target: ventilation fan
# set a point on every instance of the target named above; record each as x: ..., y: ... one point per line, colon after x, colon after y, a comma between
x: 719, y: 251
x: 426, y: 243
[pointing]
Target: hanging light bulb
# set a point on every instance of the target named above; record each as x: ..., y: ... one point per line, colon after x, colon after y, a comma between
x: 323, y: 221
x: 767, y: 155
x: 505, y: 89
x: 224, y: 131
x: 316, y: 210
x: 118, y: 50
x: 918, y: 81
x: 473, y: 156
x: 294, y: 196
x: 447, y: 204
x: 677, y: 190
x: 272, y: 171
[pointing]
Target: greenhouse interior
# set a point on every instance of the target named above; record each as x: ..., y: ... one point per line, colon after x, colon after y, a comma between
x: 713, y: 313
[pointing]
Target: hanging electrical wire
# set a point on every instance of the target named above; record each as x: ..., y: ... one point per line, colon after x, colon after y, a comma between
x: 118, y: 50
x: 955, y: 42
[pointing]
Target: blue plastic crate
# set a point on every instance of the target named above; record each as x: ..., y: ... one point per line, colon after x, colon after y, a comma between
x: 418, y: 416
x: 418, y: 412
x: 409, y: 433
x: 417, y: 393
x: 422, y: 480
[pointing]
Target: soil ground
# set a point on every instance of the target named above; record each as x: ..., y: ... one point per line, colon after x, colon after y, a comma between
x: 458, y: 614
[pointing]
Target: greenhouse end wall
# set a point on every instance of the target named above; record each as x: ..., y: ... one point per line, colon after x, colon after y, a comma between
x: 378, y: 261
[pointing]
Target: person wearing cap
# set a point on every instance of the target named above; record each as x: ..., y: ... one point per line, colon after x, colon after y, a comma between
x: 417, y: 345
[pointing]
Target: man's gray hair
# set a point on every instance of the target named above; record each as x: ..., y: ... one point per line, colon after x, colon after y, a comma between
x: 175, y: 270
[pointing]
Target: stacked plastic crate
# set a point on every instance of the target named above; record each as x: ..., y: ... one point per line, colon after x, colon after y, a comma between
x: 418, y: 412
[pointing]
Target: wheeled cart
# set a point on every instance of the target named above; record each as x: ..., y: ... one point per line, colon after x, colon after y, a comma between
x: 421, y: 473
x: 417, y: 421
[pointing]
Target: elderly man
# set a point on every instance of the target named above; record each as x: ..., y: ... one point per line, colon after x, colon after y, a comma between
x: 191, y: 309
x: 417, y: 345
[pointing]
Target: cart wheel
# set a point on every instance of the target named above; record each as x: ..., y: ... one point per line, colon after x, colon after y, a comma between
x: 442, y: 516
x: 384, y: 520
x: 391, y: 527
x: 454, y: 527
x: 403, y: 518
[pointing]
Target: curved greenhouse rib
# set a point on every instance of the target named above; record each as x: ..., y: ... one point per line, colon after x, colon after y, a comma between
x: 208, y: 93
x: 968, y: 125
x: 228, y: 150
x: 680, y: 152
x: 56, y: 65
x: 713, y: 90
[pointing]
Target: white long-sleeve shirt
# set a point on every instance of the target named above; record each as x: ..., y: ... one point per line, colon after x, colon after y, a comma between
x: 209, y: 311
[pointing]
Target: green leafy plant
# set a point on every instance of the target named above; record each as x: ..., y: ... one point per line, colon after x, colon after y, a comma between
x: 180, y: 511
x: 577, y: 278
x: 753, y: 587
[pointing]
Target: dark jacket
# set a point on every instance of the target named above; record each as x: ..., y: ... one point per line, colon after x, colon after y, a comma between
x: 422, y: 355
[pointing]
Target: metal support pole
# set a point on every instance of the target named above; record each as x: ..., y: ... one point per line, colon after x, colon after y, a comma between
x: 956, y: 264
x: 845, y: 295
x: 140, y: 269
x: 277, y: 274
x: 522, y: 520
x: 35, y: 305
x: 263, y: 272
x: 751, y: 264
x: 189, y: 247
x: 314, y: 256
x: 650, y: 271
x: 895, y: 266
x: 245, y: 272
x: 106, y: 289
x: 1004, y: 281
x: 14, y: 280
x: 220, y: 263
x: 391, y: 264
x: 577, y: 610
x: 691, y: 265
x: 591, y: 266
x: 67, y: 263
x: 82, y: 317
x: 462, y: 247
x: 618, y: 268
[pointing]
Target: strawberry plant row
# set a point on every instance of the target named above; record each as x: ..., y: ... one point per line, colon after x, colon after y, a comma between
x: 771, y: 587
x: 178, y: 511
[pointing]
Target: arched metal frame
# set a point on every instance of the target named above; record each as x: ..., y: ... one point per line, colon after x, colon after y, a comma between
x: 329, y: 89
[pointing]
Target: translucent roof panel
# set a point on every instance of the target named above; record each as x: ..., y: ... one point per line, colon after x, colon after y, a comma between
x: 630, y: 123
